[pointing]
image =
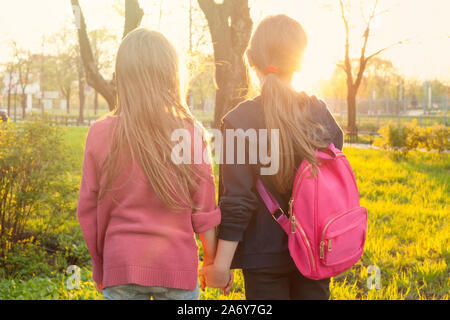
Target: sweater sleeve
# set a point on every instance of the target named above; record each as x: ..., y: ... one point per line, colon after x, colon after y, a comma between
x: 207, y: 215
x: 237, y: 201
x: 87, y: 209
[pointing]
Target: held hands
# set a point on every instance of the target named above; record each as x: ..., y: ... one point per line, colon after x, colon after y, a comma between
x: 216, y: 267
x: 99, y: 287
x: 216, y: 277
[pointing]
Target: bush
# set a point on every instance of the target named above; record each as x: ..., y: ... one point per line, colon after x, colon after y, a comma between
x: 403, y: 138
x: 437, y: 138
x: 33, y: 159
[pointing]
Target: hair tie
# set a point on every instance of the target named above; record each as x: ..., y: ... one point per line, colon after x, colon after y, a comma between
x: 272, y: 69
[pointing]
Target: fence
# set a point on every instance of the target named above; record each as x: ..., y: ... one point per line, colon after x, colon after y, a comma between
x: 371, y: 114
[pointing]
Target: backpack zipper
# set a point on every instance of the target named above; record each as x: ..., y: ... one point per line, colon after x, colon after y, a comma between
x: 322, y: 248
x: 291, y: 216
x: 338, y: 155
x: 308, y: 245
x: 294, y: 223
x: 322, y: 242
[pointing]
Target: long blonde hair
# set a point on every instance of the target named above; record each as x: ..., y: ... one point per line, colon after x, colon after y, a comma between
x: 275, y: 50
x: 149, y: 107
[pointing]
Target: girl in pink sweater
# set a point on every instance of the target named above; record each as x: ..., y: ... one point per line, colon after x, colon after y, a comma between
x: 137, y: 208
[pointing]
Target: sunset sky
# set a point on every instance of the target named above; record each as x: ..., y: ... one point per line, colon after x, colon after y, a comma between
x: 425, y: 22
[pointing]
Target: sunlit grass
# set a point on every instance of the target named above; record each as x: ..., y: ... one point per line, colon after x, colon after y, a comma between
x: 408, y: 233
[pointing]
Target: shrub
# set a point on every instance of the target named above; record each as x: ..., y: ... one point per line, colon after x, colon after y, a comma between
x: 393, y: 137
x: 437, y: 138
x: 403, y: 138
x: 33, y: 158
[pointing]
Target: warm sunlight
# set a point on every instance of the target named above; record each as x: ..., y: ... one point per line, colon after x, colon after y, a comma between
x: 139, y: 161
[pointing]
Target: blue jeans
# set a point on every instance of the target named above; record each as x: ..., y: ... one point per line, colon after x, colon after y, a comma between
x: 137, y: 292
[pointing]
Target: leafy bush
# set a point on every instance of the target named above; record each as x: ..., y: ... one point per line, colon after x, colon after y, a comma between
x: 437, y: 138
x: 32, y: 162
x: 403, y: 138
x: 53, y: 286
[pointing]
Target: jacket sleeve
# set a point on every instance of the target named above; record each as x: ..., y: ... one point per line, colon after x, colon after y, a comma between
x: 334, y: 132
x: 237, y: 200
x: 207, y: 215
x: 87, y: 209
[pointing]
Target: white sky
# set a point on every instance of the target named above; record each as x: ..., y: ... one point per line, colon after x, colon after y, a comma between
x: 427, y: 22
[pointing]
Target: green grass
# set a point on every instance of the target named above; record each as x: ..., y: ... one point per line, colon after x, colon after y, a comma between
x: 373, y: 123
x: 408, y: 233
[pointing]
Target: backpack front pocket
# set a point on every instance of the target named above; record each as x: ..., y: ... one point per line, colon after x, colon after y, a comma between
x: 343, y: 237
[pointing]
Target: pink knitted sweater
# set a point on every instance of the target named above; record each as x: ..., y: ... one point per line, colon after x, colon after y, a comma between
x: 131, y: 236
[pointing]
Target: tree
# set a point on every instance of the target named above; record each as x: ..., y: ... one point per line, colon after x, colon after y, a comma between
x: 67, y: 74
x: 199, y: 63
x: 353, y: 82
x: 102, y: 42
x: 202, y: 78
x: 382, y: 76
x: 65, y: 63
x: 24, y: 67
x: 133, y: 17
x: 10, y: 69
x: 81, y: 89
x: 230, y: 26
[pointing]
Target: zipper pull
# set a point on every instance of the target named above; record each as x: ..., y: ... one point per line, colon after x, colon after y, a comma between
x: 329, y: 245
x: 322, y: 245
x: 291, y: 201
x: 292, y: 224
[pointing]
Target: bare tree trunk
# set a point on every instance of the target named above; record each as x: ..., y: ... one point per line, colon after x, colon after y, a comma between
x: 352, y: 129
x: 353, y: 83
x: 230, y: 26
x: 133, y: 17
x: 81, y: 94
x: 68, y: 92
x: 15, y: 106
x: 95, y: 102
x: 24, y: 105
x: 9, y: 102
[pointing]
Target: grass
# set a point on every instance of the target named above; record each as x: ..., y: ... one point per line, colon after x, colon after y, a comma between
x: 408, y: 233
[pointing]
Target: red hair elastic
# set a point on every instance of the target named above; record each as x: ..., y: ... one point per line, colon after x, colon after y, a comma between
x: 272, y: 69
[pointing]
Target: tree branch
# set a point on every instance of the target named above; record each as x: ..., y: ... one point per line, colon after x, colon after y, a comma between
x: 362, y: 59
x: 384, y: 49
x: 347, y: 64
x: 93, y: 76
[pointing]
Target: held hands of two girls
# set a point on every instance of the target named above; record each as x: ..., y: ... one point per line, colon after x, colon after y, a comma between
x: 217, y: 277
x: 99, y: 287
x: 216, y: 272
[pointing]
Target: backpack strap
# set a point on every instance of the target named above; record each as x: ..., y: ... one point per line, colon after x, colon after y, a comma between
x: 273, y: 206
x: 269, y: 200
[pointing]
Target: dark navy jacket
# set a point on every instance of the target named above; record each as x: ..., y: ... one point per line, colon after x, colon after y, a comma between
x: 262, y: 242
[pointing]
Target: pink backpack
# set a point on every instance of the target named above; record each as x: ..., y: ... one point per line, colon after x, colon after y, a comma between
x: 326, y: 226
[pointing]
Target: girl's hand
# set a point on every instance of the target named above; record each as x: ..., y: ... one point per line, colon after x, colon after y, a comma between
x: 99, y: 287
x: 227, y: 289
x: 216, y: 277
x: 202, y: 277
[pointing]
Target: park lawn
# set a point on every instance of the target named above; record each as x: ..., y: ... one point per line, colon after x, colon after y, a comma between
x: 408, y: 233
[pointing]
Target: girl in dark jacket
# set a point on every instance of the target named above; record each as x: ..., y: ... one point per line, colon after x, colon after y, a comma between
x: 249, y: 238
